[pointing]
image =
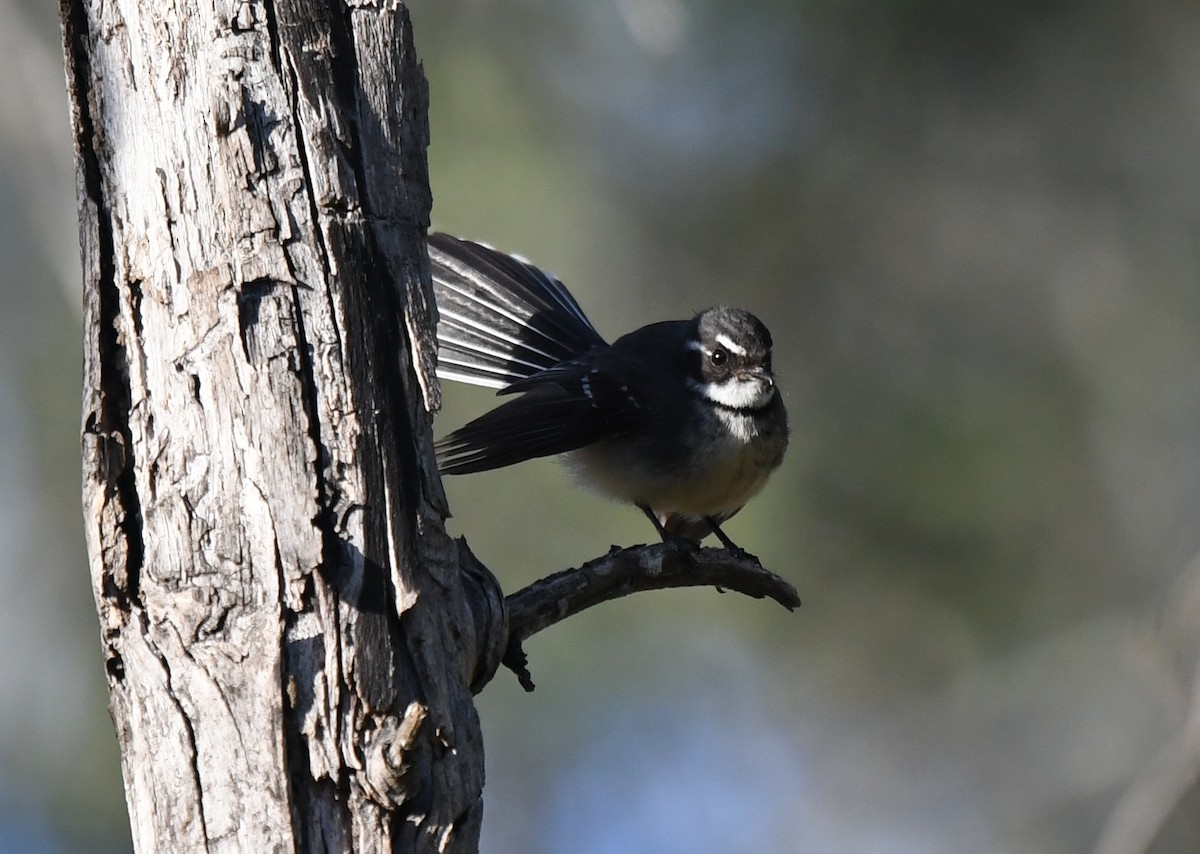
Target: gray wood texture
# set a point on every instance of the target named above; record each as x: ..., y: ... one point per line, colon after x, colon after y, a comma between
x: 288, y: 643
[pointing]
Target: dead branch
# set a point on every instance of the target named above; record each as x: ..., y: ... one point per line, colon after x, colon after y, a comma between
x: 625, y: 571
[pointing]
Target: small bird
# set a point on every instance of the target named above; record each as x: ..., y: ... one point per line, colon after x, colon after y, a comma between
x: 681, y: 418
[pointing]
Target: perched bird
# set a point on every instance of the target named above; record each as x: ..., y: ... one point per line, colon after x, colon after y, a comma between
x: 681, y: 418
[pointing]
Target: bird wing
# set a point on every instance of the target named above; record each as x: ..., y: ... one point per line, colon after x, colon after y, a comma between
x: 562, y: 409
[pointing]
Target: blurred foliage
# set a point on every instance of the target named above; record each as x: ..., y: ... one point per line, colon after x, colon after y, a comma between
x: 972, y: 229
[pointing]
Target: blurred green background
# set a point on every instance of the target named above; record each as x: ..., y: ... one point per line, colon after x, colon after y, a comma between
x: 974, y: 229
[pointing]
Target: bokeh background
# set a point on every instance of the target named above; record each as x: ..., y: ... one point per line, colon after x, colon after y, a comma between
x: 974, y: 229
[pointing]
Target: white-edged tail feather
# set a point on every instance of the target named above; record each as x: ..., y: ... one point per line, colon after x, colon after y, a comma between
x: 501, y: 319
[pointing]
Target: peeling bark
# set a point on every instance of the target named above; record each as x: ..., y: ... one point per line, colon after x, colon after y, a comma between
x: 288, y: 643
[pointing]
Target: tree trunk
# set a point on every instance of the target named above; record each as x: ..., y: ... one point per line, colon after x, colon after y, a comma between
x: 288, y: 646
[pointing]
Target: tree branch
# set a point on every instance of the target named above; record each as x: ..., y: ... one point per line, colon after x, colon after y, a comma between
x: 625, y: 571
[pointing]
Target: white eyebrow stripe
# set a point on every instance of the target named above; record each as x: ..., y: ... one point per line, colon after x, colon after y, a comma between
x: 693, y: 344
x: 728, y: 343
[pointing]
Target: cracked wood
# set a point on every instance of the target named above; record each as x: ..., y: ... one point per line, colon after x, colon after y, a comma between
x: 260, y: 496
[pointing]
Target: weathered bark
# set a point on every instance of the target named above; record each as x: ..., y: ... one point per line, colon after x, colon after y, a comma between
x: 289, y: 646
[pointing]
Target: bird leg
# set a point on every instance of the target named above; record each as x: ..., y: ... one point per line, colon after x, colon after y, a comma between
x: 673, y: 540
x: 689, y: 544
x: 723, y: 537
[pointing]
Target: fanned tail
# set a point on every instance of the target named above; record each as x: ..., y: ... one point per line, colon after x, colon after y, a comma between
x: 501, y: 318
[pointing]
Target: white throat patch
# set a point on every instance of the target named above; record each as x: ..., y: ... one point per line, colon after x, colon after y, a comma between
x: 749, y: 393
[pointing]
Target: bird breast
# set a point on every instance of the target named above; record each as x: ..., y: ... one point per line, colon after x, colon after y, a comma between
x: 720, y: 477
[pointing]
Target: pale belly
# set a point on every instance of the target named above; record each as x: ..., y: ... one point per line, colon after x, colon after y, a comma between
x: 723, y: 480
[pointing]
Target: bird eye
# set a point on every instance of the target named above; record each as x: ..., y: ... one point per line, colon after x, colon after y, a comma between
x: 718, y: 357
